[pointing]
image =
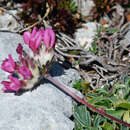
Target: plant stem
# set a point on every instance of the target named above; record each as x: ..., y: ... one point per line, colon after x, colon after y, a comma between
x: 100, y: 111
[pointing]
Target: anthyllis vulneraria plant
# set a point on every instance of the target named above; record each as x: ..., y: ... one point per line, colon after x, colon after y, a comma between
x: 26, y: 72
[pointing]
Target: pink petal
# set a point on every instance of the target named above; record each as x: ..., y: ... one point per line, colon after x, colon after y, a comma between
x: 38, y: 39
x: 5, y: 89
x: 6, y: 86
x: 15, y: 83
x: 32, y: 44
x: 8, y: 65
x: 25, y: 72
x: 42, y: 32
x: 11, y: 61
x: 47, y: 38
x: 34, y: 31
x: 26, y: 37
x: 19, y: 49
x: 35, y: 41
x: 52, y: 34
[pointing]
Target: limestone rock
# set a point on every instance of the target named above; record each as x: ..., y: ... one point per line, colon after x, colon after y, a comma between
x: 8, y: 22
x: 84, y: 6
x: 85, y: 35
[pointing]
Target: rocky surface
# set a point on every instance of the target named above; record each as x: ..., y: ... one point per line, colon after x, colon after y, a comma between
x: 44, y: 108
x: 85, y: 35
x: 8, y: 21
x: 84, y: 6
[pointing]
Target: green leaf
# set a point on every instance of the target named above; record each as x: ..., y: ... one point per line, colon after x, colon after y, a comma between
x: 91, y: 95
x: 102, y: 92
x: 116, y: 113
x: 78, y: 84
x: 82, y: 85
x: 82, y: 115
x: 127, y: 90
x: 101, y: 53
x: 124, y: 105
x: 94, y: 47
x: 118, y: 87
x: 126, y: 117
x: 124, y: 127
x: 98, y: 119
x: 112, y: 30
x: 107, y: 126
x: 85, y: 86
x: 127, y: 81
x: 127, y: 95
x: 101, y: 102
x: 100, y: 29
x: 114, y: 98
x: 73, y: 6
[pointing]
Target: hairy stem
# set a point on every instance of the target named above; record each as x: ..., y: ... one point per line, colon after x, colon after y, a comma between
x: 61, y: 87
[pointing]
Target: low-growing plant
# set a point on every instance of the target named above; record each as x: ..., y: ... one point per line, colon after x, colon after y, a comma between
x: 114, y: 101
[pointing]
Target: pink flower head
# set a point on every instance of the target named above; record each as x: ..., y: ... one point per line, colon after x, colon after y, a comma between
x: 13, y: 85
x: 49, y: 38
x: 9, y: 65
x: 34, y: 39
x: 25, y: 72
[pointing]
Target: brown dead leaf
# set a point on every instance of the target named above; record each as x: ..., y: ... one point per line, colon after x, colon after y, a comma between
x: 118, y: 57
x: 108, y: 8
x: 85, y: 44
x: 92, y: 71
x: 78, y: 70
x: 1, y: 11
x: 102, y: 56
x: 101, y: 44
x: 103, y: 22
x: 128, y: 18
x: 76, y: 16
x: 87, y: 18
x: 85, y: 27
x: 87, y: 98
x: 71, y: 59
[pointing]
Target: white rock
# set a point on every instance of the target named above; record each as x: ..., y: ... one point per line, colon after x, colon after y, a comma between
x: 8, y: 22
x: 85, y: 35
x: 84, y: 6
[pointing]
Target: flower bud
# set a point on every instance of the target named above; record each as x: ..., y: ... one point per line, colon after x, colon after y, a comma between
x: 49, y: 38
x: 9, y: 65
x: 13, y: 85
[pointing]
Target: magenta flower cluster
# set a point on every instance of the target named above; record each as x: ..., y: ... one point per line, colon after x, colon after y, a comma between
x: 24, y: 73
